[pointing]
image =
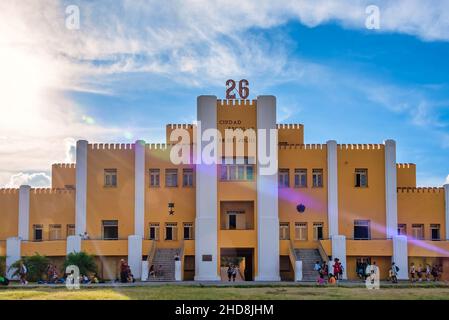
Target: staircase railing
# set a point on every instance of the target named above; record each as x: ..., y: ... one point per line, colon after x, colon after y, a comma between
x: 151, y: 253
x: 322, y: 252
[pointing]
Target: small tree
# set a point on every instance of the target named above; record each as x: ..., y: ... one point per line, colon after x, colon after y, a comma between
x: 36, y: 265
x: 85, y: 262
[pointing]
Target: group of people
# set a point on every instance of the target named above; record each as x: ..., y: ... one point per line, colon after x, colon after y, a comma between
x: 324, y: 276
x: 419, y: 273
x: 232, y: 272
x: 155, y: 271
x: 126, y: 275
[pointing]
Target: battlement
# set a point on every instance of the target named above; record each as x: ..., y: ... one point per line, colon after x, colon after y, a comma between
x: 111, y: 146
x: 421, y: 190
x: 9, y: 190
x: 360, y: 146
x: 235, y: 103
x: 51, y: 190
x: 158, y: 146
x: 63, y: 165
x: 179, y: 126
x: 284, y: 126
x: 309, y: 146
x: 405, y: 165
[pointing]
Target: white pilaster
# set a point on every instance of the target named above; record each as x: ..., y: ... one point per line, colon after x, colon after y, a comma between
x: 139, y: 188
x: 12, y: 254
x: 400, y: 256
x: 446, y: 211
x: 24, y: 212
x: 267, y: 194
x: 332, y: 188
x: 73, y: 244
x: 391, y: 200
x: 135, y: 255
x: 81, y: 186
x: 178, y: 270
x: 206, y: 245
x: 298, y: 270
x: 339, y: 251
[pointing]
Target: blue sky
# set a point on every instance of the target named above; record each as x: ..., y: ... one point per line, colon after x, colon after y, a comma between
x: 135, y: 66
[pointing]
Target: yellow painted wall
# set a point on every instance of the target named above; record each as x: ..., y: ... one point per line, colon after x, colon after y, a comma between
x: 315, y: 199
x: 406, y: 175
x: 63, y: 175
x: 422, y: 206
x: 51, y: 206
x: 157, y: 199
x: 361, y: 203
x: 106, y: 203
x: 290, y: 133
x: 9, y: 213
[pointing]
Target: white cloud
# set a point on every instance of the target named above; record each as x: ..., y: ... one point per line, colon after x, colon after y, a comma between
x: 447, y: 180
x: 37, y: 180
x: 194, y: 42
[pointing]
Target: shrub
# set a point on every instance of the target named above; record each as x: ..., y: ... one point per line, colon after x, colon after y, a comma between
x: 85, y: 262
x: 36, y: 265
x: 2, y: 266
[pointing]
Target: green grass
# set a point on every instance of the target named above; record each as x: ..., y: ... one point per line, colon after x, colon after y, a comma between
x: 225, y: 293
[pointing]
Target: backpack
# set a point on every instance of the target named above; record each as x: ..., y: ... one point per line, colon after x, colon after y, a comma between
x: 397, y: 268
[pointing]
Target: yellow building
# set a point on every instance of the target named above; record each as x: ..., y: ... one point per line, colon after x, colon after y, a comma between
x: 130, y: 201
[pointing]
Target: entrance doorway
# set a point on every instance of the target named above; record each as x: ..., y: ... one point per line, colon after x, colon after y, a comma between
x: 242, y: 259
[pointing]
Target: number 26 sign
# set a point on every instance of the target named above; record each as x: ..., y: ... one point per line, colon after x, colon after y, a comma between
x: 243, y: 89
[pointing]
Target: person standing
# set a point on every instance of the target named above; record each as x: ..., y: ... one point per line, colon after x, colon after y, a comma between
x: 412, y: 272
x: 234, y: 273
x: 394, y: 273
x: 317, y: 267
x: 428, y: 272
x: 123, y: 271
x: 419, y: 273
x: 23, y: 273
x: 229, y: 272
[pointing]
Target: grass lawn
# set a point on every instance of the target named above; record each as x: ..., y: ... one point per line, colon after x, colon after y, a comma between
x: 225, y: 293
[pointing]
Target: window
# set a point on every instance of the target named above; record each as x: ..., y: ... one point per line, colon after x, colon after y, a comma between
x: 171, y: 177
x: 317, y: 178
x: 418, y: 231
x: 155, y: 175
x: 284, y: 178
x: 361, y: 178
x: 402, y: 229
x: 55, y: 232
x: 317, y: 231
x: 435, y: 232
x: 300, y: 178
x: 301, y: 231
x: 171, y: 231
x: 38, y: 232
x: 154, y: 231
x: 110, y: 178
x: 232, y: 220
x: 235, y: 171
x: 70, y: 230
x: 284, y: 231
x: 187, y: 177
x: 110, y: 229
x: 362, y: 230
x: 188, y: 231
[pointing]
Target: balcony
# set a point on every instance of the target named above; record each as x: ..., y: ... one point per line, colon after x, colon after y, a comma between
x: 105, y: 247
x: 428, y: 248
x: 49, y: 248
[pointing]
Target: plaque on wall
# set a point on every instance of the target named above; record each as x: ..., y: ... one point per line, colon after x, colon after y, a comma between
x: 207, y: 257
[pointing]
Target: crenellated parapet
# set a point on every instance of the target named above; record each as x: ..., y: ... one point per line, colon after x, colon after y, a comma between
x: 360, y: 146
x: 9, y: 190
x: 111, y: 146
x: 286, y: 126
x: 236, y: 103
x: 51, y: 191
x: 63, y: 165
x: 312, y: 146
x: 405, y: 165
x: 421, y: 190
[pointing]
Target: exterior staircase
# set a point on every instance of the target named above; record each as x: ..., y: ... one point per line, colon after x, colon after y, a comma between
x: 165, y: 261
x: 308, y: 258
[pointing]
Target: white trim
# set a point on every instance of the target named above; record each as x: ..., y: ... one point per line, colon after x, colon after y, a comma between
x: 391, y: 200
x: 400, y: 256
x: 73, y: 244
x: 24, y: 212
x: 135, y: 255
x: 13, y: 254
x: 332, y: 187
x: 139, y: 188
x: 339, y: 251
x: 446, y: 209
x: 81, y: 187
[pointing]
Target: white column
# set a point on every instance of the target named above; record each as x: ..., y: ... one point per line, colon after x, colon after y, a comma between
x: 139, y: 188
x: 391, y: 199
x: 400, y: 256
x: 178, y: 270
x: 24, y: 212
x: 12, y: 254
x: 135, y: 255
x: 298, y: 270
x: 339, y: 251
x: 267, y: 194
x: 446, y: 211
x: 206, y: 243
x: 332, y: 188
x: 73, y: 244
x: 81, y: 186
